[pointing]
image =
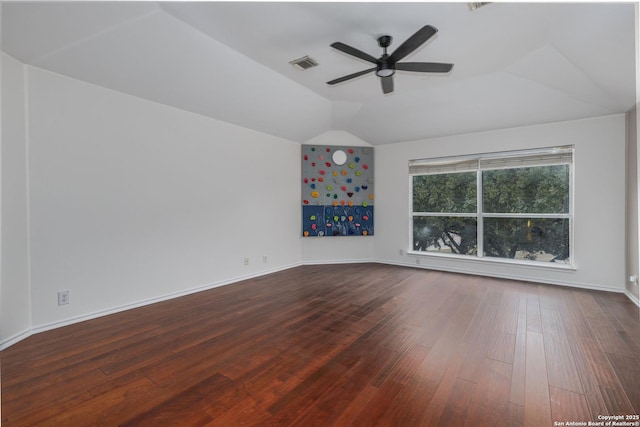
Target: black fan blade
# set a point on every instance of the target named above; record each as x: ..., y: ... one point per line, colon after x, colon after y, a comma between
x: 424, y: 67
x: 387, y: 84
x: 413, y: 42
x: 354, y: 52
x: 350, y: 76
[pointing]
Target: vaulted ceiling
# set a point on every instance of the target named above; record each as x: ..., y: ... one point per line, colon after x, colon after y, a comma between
x: 515, y: 63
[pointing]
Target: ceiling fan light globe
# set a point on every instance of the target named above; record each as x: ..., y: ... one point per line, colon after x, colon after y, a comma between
x: 385, y: 72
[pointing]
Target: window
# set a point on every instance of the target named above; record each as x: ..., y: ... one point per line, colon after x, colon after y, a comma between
x: 513, y: 205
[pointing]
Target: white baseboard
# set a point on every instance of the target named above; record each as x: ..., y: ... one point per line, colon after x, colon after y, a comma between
x: 506, y: 276
x: 338, y: 261
x: 69, y: 321
x: 16, y: 338
x: 632, y: 297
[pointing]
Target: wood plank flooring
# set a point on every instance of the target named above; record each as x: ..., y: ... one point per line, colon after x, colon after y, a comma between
x: 342, y: 345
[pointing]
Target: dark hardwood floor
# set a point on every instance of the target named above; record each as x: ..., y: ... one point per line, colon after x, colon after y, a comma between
x: 343, y: 345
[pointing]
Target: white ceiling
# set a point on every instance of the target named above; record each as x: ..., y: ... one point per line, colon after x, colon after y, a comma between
x: 515, y: 64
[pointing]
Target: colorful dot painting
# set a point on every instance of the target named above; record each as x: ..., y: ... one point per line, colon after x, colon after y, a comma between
x: 345, y: 211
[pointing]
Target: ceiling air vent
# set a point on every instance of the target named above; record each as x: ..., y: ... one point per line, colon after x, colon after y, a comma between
x: 476, y: 5
x: 304, y: 63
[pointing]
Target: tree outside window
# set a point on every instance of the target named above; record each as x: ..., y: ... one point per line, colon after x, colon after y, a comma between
x: 514, y: 205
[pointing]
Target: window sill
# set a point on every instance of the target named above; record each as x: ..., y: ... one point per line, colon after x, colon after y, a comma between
x: 490, y: 260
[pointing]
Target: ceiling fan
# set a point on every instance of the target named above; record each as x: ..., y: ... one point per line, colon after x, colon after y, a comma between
x: 387, y: 65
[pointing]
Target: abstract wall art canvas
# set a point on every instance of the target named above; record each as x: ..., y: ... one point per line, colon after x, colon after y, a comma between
x: 337, y: 191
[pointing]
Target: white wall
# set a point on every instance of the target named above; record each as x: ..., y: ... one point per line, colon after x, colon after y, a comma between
x: 633, y: 290
x: 15, y: 315
x: 631, y: 155
x: 327, y: 250
x: 599, y: 226
x: 132, y: 201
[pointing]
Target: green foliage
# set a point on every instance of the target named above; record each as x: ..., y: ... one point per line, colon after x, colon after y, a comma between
x: 543, y: 239
x: 453, y: 192
x: 542, y: 189
x: 532, y: 190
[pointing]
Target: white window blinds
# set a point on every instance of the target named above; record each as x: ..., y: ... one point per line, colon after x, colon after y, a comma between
x: 513, y: 159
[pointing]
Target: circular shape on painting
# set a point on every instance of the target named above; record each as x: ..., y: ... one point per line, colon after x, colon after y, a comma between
x: 339, y: 157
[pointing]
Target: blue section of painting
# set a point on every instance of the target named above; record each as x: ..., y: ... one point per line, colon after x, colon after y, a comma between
x: 319, y: 221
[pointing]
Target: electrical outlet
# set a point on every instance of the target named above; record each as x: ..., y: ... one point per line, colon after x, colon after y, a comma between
x: 264, y: 259
x: 246, y: 261
x: 401, y: 252
x: 633, y: 279
x: 63, y: 297
x: 417, y: 261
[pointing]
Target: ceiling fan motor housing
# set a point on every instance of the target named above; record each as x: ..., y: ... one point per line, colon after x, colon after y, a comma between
x: 385, y: 67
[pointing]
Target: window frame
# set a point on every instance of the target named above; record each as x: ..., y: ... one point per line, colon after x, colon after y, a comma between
x: 566, y: 156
